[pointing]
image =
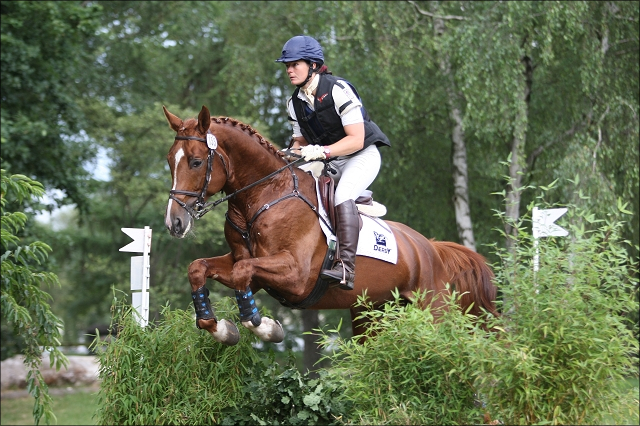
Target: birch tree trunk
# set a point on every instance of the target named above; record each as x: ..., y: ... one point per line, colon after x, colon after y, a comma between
x: 459, y: 149
x: 517, y: 159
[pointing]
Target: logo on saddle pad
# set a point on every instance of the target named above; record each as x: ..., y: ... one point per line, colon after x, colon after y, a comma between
x: 376, y: 240
x: 381, y: 243
x: 380, y: 239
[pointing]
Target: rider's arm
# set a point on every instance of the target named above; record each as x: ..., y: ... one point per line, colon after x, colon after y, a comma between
x: 298, y: 141
x: 348, y: 106
x: 354, y: 141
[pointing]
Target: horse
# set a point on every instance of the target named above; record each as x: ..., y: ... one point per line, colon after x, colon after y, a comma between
x: 276, y: 242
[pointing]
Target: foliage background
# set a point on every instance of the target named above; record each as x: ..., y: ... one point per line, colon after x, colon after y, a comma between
x: 88, y: 86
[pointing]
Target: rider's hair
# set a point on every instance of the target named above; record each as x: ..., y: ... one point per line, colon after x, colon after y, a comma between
x: 324, y: 70
x: 322, y: 67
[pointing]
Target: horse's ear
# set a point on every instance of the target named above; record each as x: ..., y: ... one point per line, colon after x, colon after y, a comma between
x: 204, y: 120
x: 174, y: 121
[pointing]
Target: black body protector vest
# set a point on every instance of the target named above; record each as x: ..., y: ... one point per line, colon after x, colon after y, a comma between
x: 323, y: 126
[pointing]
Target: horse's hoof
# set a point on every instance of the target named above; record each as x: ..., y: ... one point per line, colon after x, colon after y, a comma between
x: 268, y: 331
x: 227, y: 333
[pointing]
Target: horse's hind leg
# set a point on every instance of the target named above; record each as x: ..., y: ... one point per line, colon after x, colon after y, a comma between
x: 358, y: 325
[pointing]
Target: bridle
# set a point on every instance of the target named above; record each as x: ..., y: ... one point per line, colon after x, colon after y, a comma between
x: 201, y: 208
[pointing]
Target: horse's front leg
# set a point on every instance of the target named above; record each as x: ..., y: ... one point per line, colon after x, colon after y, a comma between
x: 218, y: 268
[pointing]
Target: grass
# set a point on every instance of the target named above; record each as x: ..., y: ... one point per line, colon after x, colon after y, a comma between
x: 78, y: 408
x: 71, y: 409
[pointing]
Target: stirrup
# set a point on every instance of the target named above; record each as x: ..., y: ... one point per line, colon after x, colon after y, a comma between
x: 343, y: 283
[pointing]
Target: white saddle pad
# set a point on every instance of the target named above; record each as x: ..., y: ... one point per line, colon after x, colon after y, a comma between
x: 376, y: 239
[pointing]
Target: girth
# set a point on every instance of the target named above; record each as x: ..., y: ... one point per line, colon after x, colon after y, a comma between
x: 318, y: 291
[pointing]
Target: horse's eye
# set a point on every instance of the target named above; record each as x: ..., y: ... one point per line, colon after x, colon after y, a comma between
x: 195, y: 163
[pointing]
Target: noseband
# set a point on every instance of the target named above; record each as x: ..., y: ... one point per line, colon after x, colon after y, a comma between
x: 201, y: 208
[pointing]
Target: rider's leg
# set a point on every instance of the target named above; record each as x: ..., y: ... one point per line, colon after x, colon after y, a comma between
x: 355, y: 174
x: 348, y: 229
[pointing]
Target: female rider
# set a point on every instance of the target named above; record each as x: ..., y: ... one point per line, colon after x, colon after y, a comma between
x: 330, y: 122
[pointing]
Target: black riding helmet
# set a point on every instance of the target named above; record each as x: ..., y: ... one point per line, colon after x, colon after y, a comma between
x: 303, y: 48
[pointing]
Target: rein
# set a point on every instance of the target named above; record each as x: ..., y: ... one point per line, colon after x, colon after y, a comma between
x: 201, y: 208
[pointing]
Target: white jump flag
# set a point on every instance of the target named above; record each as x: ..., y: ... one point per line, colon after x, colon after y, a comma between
x: 140, y: 271
x: 543, y: 226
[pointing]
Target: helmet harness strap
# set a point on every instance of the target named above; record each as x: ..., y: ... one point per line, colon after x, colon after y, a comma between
x: 312, y: 68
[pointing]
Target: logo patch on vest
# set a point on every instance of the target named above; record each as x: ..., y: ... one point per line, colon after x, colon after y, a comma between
x: 321, y: 98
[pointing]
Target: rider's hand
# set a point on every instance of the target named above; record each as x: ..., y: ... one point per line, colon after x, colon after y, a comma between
x: 287, y: 154
x: 312, y: 152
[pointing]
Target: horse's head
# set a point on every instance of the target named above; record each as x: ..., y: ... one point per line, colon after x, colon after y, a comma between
x: 197, y: 170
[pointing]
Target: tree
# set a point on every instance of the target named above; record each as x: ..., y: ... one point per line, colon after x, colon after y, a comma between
x: 41, y: 81
x: 25, y: 306
x: 578, y: 61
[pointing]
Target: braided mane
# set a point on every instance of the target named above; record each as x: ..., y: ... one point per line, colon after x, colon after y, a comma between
x: 228, y: 121
x: 250, y: 131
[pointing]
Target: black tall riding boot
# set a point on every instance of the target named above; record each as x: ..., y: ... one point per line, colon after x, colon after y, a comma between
x: 348, y: 230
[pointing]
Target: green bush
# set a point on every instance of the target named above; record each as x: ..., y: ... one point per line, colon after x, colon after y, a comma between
x: 169, y: 372
x: 172, y: 373
x: 557, y: 354
x: 26, y: 314
x: 276, y: 397
x: 568, y: 341
x: 414, y: 371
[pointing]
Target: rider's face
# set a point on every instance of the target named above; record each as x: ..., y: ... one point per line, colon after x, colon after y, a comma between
x: 297, y: 71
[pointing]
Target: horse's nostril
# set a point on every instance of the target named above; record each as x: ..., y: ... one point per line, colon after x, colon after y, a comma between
x: 177, y: 225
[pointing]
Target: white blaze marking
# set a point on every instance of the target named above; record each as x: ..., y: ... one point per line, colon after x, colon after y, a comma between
x: 179, y: 156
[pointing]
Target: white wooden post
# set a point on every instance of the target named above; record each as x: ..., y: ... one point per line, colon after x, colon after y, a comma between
x: 140, y: 271
x: 543, y: 226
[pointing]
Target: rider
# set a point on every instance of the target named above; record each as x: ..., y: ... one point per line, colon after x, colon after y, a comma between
x: 330, y: 122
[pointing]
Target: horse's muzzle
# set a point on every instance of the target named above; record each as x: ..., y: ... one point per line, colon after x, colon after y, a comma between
x: 177, y: 220
x: 179, y: 226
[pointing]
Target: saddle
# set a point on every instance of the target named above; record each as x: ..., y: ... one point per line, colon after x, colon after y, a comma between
x: 326, y: 187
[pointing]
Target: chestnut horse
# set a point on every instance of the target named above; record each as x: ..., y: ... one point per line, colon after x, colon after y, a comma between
x: 276, y: 241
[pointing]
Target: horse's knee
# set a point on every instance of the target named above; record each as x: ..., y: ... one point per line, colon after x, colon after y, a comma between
x: 197, y: 274
x: 241, y: 275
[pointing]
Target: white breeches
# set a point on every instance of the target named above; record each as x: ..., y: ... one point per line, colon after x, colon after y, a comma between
x: 355, y: 174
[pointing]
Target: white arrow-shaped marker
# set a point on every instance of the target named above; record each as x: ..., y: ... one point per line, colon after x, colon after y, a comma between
x: 139, y: 270
x: 543, y: 225
x: 141, y: 240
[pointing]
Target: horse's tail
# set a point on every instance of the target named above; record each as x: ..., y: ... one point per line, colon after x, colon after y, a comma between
x: 469, y: 276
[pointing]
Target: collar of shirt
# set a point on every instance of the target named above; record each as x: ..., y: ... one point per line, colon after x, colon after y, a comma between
x: 308, y: 91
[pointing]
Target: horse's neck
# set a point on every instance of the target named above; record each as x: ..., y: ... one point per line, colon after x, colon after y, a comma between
x: 250, y: 163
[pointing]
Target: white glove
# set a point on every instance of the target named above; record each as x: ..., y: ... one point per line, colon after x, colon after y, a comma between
x: 312, y: 152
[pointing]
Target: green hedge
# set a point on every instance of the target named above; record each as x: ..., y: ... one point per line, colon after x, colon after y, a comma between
x: 173, y: 373
x: 557, y: 355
